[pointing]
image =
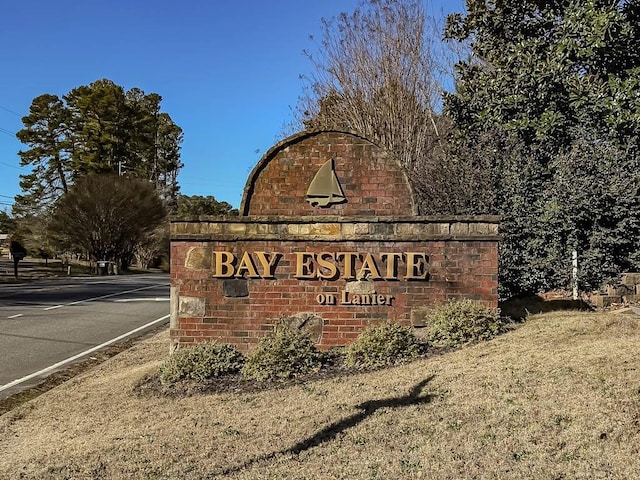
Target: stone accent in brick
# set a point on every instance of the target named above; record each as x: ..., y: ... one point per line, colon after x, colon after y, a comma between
x: 331, y: 229
x: 235, y: 288
x: 630, y: 279
x: 309, y: 322
x: 360, y: 286
x: 198, y: 257
x: 173, y: 311
x: 191, y: 307
x: 420, y: 316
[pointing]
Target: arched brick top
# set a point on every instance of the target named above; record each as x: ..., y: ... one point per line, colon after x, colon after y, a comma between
x: 373, y: 183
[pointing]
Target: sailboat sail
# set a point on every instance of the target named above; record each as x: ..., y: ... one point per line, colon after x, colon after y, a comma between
x: 325, y: 189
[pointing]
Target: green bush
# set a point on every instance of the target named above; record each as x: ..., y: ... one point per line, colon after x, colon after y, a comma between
x: 285, y: 352
x: 380, y: 345
x: 463, y: 321
x: 201, y: 362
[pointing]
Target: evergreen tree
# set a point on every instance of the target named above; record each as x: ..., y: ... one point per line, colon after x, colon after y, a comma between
x: 7, y: 223
x: 96, y: 128
x: 195, y: 205
x: 46, y: 132
x: 559, y: 79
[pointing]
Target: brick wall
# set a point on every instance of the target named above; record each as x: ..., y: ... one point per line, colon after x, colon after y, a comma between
x: 374, y: 183
x: 334, y: 270
x: 461, y: 261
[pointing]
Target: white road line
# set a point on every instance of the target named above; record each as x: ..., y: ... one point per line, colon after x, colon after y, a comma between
x: 80, y: 355
x: 156, y: 299
x: 101, y: 297
x: 16, y: 315
x: 53, y: 308
x: 113, y: 294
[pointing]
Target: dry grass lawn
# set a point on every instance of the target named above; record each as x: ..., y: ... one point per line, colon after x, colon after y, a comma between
x: 557, y: 398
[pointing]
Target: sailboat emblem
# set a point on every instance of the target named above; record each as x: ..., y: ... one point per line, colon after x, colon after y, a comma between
x: 325, y: 189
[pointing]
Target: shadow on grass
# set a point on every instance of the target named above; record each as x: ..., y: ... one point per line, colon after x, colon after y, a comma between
x: 518, y: 308
x: 335, y: 429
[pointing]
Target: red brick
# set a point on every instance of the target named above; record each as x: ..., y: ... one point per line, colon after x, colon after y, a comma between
x: 375, y: 186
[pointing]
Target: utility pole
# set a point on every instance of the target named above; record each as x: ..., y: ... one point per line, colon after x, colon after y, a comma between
x: 574, y: 256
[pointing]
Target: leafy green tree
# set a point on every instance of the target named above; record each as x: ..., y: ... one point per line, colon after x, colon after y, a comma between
x: 596, y: 205
x: 558, y: 79
x: 107, y: 216
x: 167, y: 158
x: 192, y: 206
x: 540, y: 66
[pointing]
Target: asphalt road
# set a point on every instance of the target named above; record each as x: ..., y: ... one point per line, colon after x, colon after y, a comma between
x: 46, y: 322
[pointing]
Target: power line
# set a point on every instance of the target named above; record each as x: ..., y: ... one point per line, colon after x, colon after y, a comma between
x: 7, y: 132
x: 9, y: 165
x: 5, y: 196
x: 10, y: 111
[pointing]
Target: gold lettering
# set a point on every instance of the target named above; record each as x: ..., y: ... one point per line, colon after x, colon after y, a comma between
x: 416, y: 266
x: 268, y: 264
x: 375, y: 299
x: 223, y: 264
x: 369, y: 269
x: 349, y: 264
x: 246, y: 264
x: 327, y: 268
x: 392, y: 260
x: 344, y: 298
x: 304, y: 266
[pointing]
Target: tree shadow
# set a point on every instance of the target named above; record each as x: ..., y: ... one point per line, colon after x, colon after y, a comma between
x: 518, y: 308
x: 332, y: 431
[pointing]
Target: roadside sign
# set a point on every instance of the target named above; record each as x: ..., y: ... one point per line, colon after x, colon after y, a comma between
x: 19, y: 255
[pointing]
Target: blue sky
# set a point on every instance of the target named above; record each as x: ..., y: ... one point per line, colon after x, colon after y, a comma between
x: 228, y: 72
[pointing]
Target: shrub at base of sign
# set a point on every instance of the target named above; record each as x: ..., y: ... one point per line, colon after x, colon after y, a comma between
x: 464, y: 321
x: 200, y: 363
x: 382, y: 345
x: 286, y: 352
x: 289, y: 351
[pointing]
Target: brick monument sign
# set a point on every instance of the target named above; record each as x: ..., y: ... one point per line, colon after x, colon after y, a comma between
x: 328, y: 237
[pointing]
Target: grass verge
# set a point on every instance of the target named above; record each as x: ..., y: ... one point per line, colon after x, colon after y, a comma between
x: 558, y: 397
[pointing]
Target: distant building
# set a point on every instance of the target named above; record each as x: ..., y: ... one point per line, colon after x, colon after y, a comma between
x: 4, y: 243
